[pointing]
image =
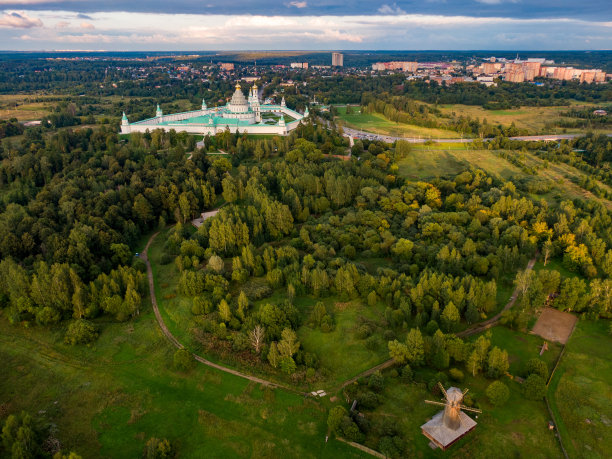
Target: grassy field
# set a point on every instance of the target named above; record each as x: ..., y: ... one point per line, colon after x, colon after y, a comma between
x: 378, y: 124
x: 517, y: 429
x: 437, y: 161
x: 535, y: 119
x: 340, y: 351
x: 107, y: 400
x: 422, y: 164
x: 26, y: 107
x: 581, y: 391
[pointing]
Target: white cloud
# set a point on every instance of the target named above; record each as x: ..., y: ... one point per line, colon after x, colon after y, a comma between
x: 393, y: 9
x: 19, y: 20
x: 132, y: 31
x: 296, y: 4
x: 497, y: 2
x: 87, y: 25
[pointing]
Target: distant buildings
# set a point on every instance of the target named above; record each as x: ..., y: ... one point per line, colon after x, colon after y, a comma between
x: 518, y: 71
x: 395, y: 65
x: 337, y: 59
x: 299, y: 65
x: 226, y: 67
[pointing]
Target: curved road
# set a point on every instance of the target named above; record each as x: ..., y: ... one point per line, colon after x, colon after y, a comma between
x: 356, y: 133
x: 176, y: 342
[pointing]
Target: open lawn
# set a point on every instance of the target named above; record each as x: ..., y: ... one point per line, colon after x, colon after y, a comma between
x: 377, y: 123
x: 535, y: 119
x: 340, y: 351
x: 421, y: 164
x: 26, y: 107
x: 580, y: 391
x: 107, y: 400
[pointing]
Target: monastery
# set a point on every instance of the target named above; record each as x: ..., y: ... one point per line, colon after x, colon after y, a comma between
x: 239, y: 114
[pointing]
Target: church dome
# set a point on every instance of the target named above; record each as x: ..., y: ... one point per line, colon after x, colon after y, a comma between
x: 238, y: 104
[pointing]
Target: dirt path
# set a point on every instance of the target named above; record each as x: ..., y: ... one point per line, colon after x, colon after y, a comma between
x: 175, y: 342
x: 477, y: 328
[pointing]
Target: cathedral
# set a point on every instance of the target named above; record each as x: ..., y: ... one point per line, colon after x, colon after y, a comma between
x: 240, y: 114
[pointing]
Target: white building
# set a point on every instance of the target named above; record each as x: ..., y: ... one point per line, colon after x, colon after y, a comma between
x: 241, y: 114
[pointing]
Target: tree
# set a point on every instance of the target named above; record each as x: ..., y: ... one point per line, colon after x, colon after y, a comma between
x: 158, y: 449
x: 216, y: 263
x: 398, y: 351
x: 474, y: 363
x: 537, y: 367
x: 534, y: 387
x: 80, y: 332
x: 243, y: 305
x: 334, y: 419
x: 498, y: 393
x: 183, y: 360
x: 415, y: 347
x: 450, y: 317
x: 224, y: 311
x: 273, y: 355
x: 497, y: 364
x: 257, y: 338
x: 548, y: 250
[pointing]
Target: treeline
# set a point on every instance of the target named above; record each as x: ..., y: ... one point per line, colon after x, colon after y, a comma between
x: 360, y: 89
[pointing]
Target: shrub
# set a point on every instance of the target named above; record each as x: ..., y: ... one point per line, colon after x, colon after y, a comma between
x: 406, y: 374
x: 80, y: 332
x: 538, y: 367
x: 376, y: 382
x: 183, y: 360
x: 534, y: 387
x: 158, y: 449
x: 456, y: 374
x: 498, y: 393
x: 336, y: 414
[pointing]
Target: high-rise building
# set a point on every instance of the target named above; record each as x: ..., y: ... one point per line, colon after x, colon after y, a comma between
x: 337, y: 59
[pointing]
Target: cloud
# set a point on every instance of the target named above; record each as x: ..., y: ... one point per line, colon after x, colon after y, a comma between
x: 62, y: 25
x: 393, y: 9
x: 87, y: 25
x: 19, y: 21
x: 296, y: 4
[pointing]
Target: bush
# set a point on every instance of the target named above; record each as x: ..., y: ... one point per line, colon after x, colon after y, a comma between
x: 158, y: 449
x: 534, y: 387
x: 368, y: 400
x: 376, y: 382
x: 183, y: 360
x: 80, y: 332
x: 498, y: 393
x: 406, y: 374
x: 456, y: 374
x: 537, y: 367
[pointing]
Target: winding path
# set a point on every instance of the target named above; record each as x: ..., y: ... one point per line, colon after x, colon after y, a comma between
x: 476, y: 328
x: 175, y: 342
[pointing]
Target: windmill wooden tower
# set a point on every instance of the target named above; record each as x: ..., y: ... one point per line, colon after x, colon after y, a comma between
x: 448, y: 426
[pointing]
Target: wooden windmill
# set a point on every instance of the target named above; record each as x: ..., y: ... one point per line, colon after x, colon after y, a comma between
x: 449, y: 425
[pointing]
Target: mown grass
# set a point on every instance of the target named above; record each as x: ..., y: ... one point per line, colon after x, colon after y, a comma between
x: 581, y: 391
x: 107, y: 400
x: 377, y: 123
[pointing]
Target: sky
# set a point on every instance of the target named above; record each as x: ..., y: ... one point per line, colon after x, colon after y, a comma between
x: 182, y: 25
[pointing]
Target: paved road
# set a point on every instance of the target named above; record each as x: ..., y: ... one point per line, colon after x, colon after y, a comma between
x: 390, y: 139
x: 175, y: 342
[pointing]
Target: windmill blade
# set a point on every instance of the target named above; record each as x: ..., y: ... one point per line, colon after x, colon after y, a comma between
x: 435, y: 403
x: 443, y: 390
x: 467, y: 408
